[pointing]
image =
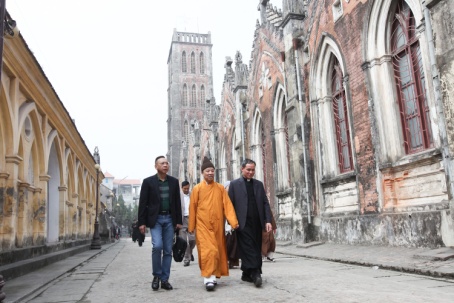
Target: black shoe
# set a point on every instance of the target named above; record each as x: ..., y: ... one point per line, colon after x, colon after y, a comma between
x: 166, y: 285
x: 246, y: 278
x: 257, y: 280
x: 270, y: 259
x: 155, y: 283
x: 210, y: 286
x: 192, y: 257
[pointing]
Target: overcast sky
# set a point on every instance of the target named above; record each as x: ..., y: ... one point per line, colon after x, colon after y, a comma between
x: 107, y: 61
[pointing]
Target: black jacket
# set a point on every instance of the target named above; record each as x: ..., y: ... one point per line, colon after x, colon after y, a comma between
x: 238, y: 196
x: 150, y: 201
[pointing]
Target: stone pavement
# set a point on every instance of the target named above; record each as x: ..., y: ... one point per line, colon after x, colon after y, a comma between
x: 19, y: 288
x: 432, y: 262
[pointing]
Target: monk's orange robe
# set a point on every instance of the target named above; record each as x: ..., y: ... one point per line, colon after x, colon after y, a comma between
x: 210, y: 205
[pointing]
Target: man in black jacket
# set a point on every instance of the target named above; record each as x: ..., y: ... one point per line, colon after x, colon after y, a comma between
x: 254, y: 215
x: 160, y: 210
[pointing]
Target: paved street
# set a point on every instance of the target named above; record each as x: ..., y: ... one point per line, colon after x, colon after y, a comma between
x: 122, y: 273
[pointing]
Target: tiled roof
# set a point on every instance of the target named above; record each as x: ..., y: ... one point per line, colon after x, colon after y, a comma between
x: 108, y: 175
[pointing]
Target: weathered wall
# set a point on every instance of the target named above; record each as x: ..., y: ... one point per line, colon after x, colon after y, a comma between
x: 419, y: 229
x: 47, y: 174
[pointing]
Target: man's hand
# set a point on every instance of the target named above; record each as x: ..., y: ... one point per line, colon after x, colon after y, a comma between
x: 142, y: 229
x: 179, y: 226
x: 269, y: 227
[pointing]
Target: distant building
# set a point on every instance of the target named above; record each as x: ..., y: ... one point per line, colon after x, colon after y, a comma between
x: 108, y: 180
x: 190, y: 72
x: 129, y: 189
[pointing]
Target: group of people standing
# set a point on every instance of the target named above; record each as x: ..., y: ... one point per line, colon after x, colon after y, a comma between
x: 201, y: 217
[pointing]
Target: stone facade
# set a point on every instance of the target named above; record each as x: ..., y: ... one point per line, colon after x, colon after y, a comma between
x: 346, y: 108
x: 47, y: 174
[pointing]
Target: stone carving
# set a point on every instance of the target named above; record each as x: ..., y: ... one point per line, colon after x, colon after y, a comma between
x: 215, y: 113
x: 241, y: 72
x: 227, y: 123
x: 229, y: 73
x: 337, y: 9
x: 196, y: 132
x: 265, y: 80
x: 238, y: 58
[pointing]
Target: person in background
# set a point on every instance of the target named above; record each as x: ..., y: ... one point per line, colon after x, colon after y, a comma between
x: 230, y: 239
x: 269, y: 242
x: 254, y: 215
x: 160, y: 210
x: 209, y: 207
x: 185, y: 200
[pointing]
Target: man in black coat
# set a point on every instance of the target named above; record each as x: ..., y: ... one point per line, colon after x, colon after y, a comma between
x: 160, y: 210
x: 254, y: 215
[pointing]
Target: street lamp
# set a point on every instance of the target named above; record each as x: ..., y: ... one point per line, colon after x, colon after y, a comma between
x: 96, y: 241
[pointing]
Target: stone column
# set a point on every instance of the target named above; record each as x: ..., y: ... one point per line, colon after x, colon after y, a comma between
x: 10, y: 203
x: 83, y: 218
x: 38, y: 213
x: 63, y: 221
x: 23, y: 221
x: 3, y: 210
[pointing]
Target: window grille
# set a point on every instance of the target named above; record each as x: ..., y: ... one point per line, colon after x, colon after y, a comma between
x: 192, y: 63
x: 184, y: 67
x: 409, y: 78
x: 287, y: 146
x: 263, y: 150
x: 341, y: 119
x: 202, y: 95
x: 193, y: 97
x: 202, y: 64
x: 185, y: 95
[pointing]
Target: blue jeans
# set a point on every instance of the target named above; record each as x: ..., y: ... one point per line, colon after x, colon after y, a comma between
x: 161, y: 241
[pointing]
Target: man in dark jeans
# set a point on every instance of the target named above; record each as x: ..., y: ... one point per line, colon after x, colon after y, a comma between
x: 160, y: 210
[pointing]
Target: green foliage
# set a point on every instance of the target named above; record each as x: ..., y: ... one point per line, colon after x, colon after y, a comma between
x: 124, y: 214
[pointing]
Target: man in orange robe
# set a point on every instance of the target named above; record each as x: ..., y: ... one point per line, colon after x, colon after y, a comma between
x: 208, y: 208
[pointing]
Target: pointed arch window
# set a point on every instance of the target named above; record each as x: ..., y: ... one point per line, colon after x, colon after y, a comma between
x: 185, y: 95
x: 235, y: 162
x: 192, y: 63
x: 341, y: 119
x: 202, y: 63
x: 409, y: 80
x: 202, y: 95
x: 263, y: 151
x: 281, y: 142
x: 258, y: 147
x: 194, y: 96
x: 184, y: 66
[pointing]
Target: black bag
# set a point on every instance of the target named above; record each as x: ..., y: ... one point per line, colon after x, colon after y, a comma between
x: 179, y: 247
